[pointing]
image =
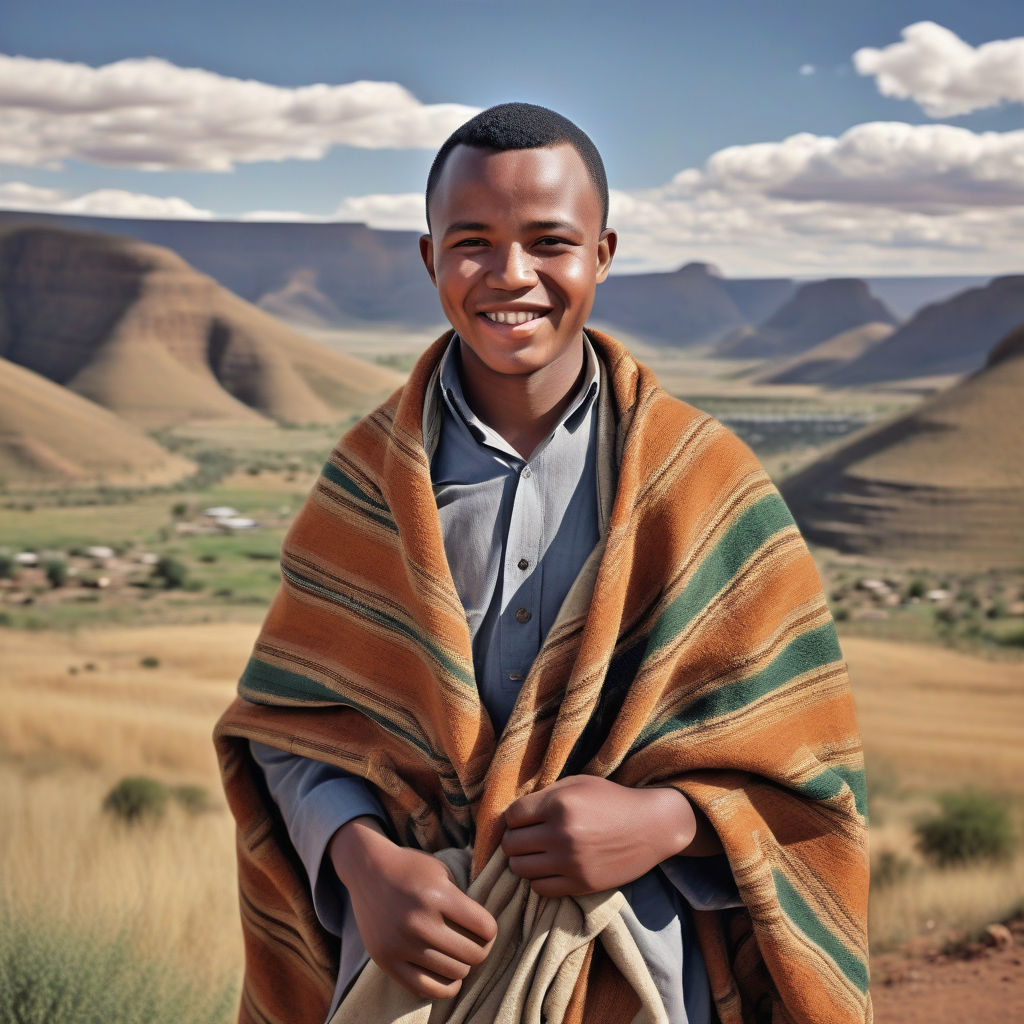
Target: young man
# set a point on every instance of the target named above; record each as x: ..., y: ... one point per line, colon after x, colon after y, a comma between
x: 541, y: 612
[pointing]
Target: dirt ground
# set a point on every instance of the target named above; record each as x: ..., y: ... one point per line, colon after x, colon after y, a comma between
x: 976, y: 983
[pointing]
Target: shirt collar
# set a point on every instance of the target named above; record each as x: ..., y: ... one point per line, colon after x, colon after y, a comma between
x: 450, y: 383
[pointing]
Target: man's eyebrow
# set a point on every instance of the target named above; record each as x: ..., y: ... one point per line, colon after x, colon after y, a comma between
x: 533, y: 225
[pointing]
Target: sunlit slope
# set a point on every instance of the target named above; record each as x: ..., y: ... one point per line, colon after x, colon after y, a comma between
x: 944, y: 482
x: 48, y: 433
x: 819, y: 364
x: 134, y: 328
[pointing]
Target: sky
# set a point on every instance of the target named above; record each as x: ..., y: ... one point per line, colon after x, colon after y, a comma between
x: 791, y: 138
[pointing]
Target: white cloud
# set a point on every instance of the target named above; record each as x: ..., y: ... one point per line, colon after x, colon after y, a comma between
x: 944, y: 75
x: 886, y: 163
x: 105, y: 202
x: 149, y: 114
x: 807, y: 69
x: 395, y: 211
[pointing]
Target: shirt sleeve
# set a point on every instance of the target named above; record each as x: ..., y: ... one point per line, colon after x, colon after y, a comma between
x: 315, y: 800
x: 706, y: 883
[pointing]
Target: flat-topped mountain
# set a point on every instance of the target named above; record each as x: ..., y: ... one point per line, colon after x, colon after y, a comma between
x: 818, y: 311
x: 49, y: 434
x: 943, y: 483
x: 134, y: 328
x: 949, y: 337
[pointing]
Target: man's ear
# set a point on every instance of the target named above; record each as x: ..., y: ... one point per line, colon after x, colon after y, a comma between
x: 427, y: 255
x: 605, y: 252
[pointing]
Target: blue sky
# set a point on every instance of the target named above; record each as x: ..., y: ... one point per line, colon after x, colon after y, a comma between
x: 745, y: 134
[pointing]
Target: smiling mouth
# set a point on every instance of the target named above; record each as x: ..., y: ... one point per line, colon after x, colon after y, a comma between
x: 513, y: 316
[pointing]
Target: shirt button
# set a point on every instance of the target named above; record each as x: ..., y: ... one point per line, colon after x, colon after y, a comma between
x: 527, y: 472
x: 523, y: 563
x: 523, y: 615
x: 515, y: 677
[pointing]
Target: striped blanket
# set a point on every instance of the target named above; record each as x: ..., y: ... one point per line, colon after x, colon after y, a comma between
x: 703, y: 658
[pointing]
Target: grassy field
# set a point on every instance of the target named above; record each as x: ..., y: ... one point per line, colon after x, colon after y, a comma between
x: 82, y: 711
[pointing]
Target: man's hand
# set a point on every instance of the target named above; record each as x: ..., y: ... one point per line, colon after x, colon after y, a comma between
x: 417, y: 925
x: 584, y: 834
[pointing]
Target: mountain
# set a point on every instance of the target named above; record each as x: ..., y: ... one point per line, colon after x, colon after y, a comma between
x: 943, y: 483
x: 339, y: 274
x: 820, y: 364
x: 817, y: 311
x: 949, y: 337
x: 134, y: 328
x: 370, y: 275
x: 687, y: 306
x: 49, y: 434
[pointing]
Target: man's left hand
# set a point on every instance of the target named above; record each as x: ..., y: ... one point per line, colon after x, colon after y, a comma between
x: 585, y: 834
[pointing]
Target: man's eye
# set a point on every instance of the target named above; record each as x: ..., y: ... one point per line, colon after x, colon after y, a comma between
x: 550, y: 240
x: 464, y: 242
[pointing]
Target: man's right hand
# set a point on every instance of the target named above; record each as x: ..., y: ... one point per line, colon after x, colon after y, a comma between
x: 417, y: 925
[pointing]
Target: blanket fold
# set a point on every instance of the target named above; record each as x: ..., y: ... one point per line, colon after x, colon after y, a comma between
x: 540, y: 954
x: 705, y: 659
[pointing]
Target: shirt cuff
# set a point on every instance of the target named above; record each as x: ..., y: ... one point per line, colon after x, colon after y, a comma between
x: 706, y: 883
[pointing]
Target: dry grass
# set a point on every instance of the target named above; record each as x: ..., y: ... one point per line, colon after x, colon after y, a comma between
x: 118, y: 716
x: 168, y: 885
x: 932, y: 719
x: 941, y: 718
x: 927, y: 900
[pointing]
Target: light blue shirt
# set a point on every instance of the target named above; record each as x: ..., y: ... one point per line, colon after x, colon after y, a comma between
x: 516, y: 534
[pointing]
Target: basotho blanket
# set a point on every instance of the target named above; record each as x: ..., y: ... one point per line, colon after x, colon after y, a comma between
x: 703, y: 658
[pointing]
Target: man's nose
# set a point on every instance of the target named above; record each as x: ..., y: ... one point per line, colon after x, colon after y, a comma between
x: 511, y: 268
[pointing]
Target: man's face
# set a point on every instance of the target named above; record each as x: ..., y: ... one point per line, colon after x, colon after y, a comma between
x: 516, y: 250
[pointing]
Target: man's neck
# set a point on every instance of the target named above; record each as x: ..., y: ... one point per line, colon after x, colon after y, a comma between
x: 522, y: 409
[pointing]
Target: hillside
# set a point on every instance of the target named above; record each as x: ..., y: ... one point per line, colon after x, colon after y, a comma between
x: 819, y: 364
x: 134, y: 328
x: 943, y: 483
x: 686, y: 306
x: 818, y: 311
x: 949, y: 337
x: 49, y: 434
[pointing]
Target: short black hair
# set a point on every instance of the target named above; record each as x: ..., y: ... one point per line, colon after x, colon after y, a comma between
x: 522, y: 126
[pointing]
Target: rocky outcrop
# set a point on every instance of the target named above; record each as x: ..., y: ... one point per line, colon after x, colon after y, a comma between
x: 951, y: 337
x: 818, y: 311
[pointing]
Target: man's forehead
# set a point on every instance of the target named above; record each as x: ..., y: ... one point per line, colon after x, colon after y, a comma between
x: 479, y: 180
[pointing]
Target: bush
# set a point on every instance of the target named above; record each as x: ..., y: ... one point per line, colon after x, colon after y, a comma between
x: 970, y: 826
x: 889, y: 869
x: 8, y: 566
x: 171, y: 572
x: 193, y: 799
x: 137, y: 798
x: 56, y: 572
x: 916, y: 588
x: 56, y: 974
x: 150, y: 661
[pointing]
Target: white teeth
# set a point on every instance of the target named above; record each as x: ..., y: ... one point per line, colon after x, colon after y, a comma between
x: 511, y: 317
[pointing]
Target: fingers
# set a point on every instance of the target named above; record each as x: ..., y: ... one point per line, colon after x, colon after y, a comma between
x: 527, y: 810
x: 423, y: 983
x: 524, y: 839
x: 469, y: 919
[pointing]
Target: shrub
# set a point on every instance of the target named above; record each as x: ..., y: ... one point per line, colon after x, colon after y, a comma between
x: 970, y: 826
x: 55, y: 974
x: 56, y: 572
x: 917, y: 587
x: 193, y: 799
x: 137, y: 798
x: 172, y: 572
x: 889, y: 869
x: 150, y: 661
x: 8, y: 566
